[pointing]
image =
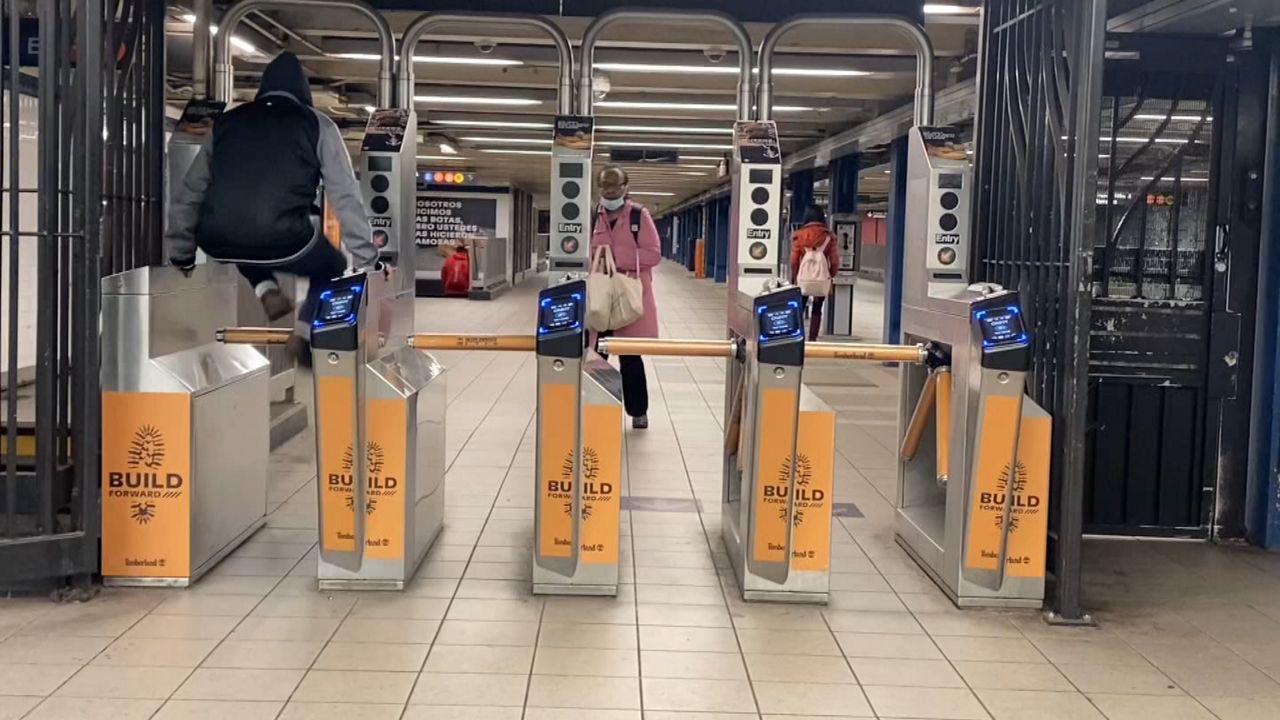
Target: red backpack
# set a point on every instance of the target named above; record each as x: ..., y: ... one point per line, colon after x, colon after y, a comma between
x: 456, y: 274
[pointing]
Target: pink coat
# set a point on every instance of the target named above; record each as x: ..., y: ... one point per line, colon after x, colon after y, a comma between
x: 636, y: 256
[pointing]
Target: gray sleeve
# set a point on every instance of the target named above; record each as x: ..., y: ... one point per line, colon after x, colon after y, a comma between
x: 342, y: 192
x: 184, y: 211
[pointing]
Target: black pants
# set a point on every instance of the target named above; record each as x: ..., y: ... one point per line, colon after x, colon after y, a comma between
x: 635, y: 386
x: 815, y: 316
x: 321, y: 263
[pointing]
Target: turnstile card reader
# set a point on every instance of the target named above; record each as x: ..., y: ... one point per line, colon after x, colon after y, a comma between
x: 388, y: 183
x: 379, y: 416
x: 974, y: 513
x: 579, y: 455
x: 776, y: 519
x: 939, y: 191
x: 571, y: 206
x: 755, y: 217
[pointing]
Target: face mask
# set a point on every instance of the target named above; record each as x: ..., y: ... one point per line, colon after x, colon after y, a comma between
x: 613, y: 204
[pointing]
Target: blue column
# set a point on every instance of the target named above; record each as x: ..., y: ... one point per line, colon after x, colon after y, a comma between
x: 895, y: 240
x: 801, y: 183
x: 722, y: 239
x: 710, y: 249
x: 1264, y: 470
x: 844, y: 185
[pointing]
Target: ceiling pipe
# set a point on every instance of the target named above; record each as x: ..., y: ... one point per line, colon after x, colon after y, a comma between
x: 224, y: 73
x: 912, y: 30
x: 592, y: 35
x: 428, y: 21
x: 200, y: 34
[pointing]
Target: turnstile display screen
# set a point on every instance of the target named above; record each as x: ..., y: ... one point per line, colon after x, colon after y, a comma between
x: 1001, y: 326
x: 338, y: 306
x: 563, y: 313
x: 779, y: 321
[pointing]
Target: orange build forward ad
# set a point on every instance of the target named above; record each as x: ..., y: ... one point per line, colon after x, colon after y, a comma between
x: 601, y: 483
x: 777, y: 415
x: 815, y: 471
x: 558, y: 406
x: 146, y: 492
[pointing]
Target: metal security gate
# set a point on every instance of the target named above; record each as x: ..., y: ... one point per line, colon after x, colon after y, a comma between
x: 1170, y: 340
x: 81, y: 197
x: 1040, y: 80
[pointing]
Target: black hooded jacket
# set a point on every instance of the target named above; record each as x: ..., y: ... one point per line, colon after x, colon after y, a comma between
x: 264, y: 172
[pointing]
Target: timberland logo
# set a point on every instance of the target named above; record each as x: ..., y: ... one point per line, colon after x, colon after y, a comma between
x: 375, y: 460
x: 1015, y: 476
x: 592, y: 486
x: 142, y: 512
x: 147, y: 448
x: 806, y: 494
x: 143, y: 478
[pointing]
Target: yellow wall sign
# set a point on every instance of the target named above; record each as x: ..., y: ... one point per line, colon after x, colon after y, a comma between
x: 557, y: 405
x: 146, y: 484
x: 601, y: 482
x: 776, y: 420
x: 1027, y: 477
x: 815, y: 469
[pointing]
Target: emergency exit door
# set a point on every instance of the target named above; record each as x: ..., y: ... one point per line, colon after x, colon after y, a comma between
x: 1165, y: 343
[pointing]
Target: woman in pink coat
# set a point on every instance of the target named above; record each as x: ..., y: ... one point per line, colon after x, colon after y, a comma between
x: 629, y: 231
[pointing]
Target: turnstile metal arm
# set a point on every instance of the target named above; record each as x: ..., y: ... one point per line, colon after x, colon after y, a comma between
x: 669, y: 348
x: 874, y: 353
x: 456, y: 341
x: 253, y: 335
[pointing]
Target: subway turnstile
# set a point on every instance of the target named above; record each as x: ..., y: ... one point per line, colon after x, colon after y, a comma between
x: 185, y: 431
x: 379, y: 415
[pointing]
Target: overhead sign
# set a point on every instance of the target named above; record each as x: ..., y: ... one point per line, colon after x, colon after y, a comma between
x: 446, y: 220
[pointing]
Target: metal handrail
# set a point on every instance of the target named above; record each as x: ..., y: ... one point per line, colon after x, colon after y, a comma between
x: 724, y: 20
x: 223, y: 73
x: 426, y: 21
x: 908, y: 27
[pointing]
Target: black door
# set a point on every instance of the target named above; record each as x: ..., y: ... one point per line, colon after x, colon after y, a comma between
x: 1164, y: 342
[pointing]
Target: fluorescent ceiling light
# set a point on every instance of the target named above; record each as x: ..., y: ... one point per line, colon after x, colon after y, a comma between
x: 688, y: 172
x: 434, y: 59
x: 1159, y: 141
x: 651, y: 193
x: 369, y: 109
x: 945, y: 9
x: 465, y: 100
x: 1184, y: 179
x: 513, y: 151
x: 493, y: 124
x: 507, y: 140
x: 441, y: 157
x: 648, y: 105
x: 1184, y: 118
x: 448, y: 149
x: 702, y: 157
x: 642, y: 144
x: 241, y: 43
x: 723, y: 69
x: 666, y: 129
x: 189, y: 17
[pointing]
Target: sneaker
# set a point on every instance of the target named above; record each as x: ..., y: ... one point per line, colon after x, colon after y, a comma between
x: 299, y: 349
x: 276, y: 304
x: 640, y: 422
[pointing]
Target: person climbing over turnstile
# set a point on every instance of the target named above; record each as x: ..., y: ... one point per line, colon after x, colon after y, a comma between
x: 252, y: 197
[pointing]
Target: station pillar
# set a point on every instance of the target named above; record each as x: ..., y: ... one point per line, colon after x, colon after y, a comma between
x: 722, y: 209
x: 895, y: 239
x: 844, y: 185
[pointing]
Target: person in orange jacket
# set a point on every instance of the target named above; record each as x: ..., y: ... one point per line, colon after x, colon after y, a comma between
x: 813, y: 234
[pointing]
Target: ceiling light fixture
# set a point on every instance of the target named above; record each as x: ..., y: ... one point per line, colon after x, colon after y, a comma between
x: 433, y: 59
x: 448, y: 149
x: 648, y: 105
x: 946, y: 9
x: 493, y: 124
x: 665, y: 129
x: 241, y: 43
x: 480, y: 100
x: 723, y: 70
x: 1183, y: 118
x: 513, y: 151
x: 650, y: 193
x: 641, y: 143
x: 506, y: 140
x: 440, y: 157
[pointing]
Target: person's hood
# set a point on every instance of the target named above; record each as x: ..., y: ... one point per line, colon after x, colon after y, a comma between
x: 810, y: 235
x: 284, y: 75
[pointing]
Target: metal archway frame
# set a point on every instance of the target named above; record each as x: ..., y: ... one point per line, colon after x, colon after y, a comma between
x: 223, y: 72
x: 912, y: 30
x: 419, y: 27
x: 724, y: 20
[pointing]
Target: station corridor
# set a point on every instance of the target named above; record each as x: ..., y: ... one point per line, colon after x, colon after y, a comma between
x: 1186, y: 631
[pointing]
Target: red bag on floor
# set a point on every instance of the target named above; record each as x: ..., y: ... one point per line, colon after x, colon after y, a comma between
x: 456, y: 274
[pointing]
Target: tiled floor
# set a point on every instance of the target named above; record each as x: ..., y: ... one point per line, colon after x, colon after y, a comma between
x: 1188, y: 631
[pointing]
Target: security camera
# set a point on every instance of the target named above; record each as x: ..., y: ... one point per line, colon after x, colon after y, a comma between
x: 715, y: 54
x: 485, y: 45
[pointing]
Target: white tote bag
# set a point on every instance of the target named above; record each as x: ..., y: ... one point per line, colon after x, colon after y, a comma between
x: 600, y: 290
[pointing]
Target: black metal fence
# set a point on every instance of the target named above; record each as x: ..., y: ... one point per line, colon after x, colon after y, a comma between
x: 83, y: 126
x: 1041, y: 80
